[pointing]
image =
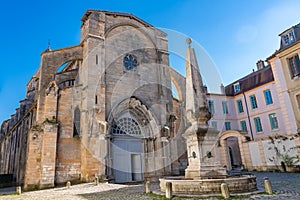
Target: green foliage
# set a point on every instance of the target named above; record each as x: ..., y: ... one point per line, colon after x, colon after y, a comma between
x: 36, y: 128
x: 52, y: 121
x: 244, y: 169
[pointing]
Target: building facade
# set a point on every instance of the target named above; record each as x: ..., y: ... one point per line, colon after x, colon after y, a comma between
x: 250, y: 114
x: 105, y: 108
x: 263, y: 107
x: 286, y: 65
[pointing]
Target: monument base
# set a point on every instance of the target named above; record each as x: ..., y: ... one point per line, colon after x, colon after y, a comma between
x: 206, y: 172
x: 183, y: 186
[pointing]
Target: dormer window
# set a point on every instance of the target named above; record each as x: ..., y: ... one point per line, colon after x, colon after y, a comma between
x: 291, y: 36
x: 288, y: 38
x: 237, y: 88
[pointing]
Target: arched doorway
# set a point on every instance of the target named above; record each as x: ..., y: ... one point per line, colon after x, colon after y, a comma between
x: 133, y: 151
x: 231, y: 149
x: 231, y: 155
x: 234, y: 152
x: 127, y: 150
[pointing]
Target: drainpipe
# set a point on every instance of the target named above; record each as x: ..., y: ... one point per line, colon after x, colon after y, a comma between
x: 58, y: 129
x: 247, y: 110
x: 57, y: 103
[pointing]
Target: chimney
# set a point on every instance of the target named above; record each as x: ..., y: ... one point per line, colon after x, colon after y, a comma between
x: 260, y: 64
x: 222, y: 88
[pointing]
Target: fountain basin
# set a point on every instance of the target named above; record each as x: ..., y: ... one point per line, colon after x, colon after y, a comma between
x: 236, y: 185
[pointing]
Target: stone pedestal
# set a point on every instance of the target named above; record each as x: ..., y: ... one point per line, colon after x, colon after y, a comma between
x: 202, y: 153
x: 168, y: 190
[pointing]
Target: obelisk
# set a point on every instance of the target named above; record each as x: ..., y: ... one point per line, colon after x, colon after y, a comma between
x: 201, y: 141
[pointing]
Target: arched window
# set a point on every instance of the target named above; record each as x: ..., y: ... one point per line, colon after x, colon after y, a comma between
x: 63, y: 67
x: 126, y: 126
x: 174, y: 91
x: 76, y: 123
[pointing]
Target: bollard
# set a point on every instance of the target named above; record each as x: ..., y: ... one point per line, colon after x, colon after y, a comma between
x: 96, y: 181
x: 148, y: 190
x: 268, y: 186
x: 18, y: 190
x: 168, y: 190
x: 68, y: 185
x: 225, y: 190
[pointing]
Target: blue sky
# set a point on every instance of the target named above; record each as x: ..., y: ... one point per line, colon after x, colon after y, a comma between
x: 235, y: 34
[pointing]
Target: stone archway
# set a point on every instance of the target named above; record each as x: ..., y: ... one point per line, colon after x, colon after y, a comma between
x: 132, y: 131
x: 179, y: 82
x: 230, y: 139
x: 127, y: 150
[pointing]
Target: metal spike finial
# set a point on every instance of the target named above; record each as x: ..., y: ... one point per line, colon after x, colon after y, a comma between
x: 49, y: 46
x: 189, y: 41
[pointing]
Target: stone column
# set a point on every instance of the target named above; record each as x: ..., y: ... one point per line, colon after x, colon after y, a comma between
x: 168, y: 190
x: 48, y: 155
x: 268, y: 186
x: 148, y: 189
x: 226, y: 155
x: 225, y: 191
x: 242, y: 151
x: 40, y: 164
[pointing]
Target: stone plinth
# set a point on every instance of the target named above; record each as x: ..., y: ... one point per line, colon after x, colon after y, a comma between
x: 236, y: 185
x: 203, y: 154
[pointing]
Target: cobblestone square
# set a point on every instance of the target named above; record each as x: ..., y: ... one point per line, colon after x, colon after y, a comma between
x: 285, y: 185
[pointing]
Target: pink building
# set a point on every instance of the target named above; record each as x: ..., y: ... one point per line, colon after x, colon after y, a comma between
x: 249, y: 104
x: 248, y: 114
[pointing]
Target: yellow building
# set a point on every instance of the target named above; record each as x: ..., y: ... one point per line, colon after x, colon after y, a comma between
x: 286, y: 66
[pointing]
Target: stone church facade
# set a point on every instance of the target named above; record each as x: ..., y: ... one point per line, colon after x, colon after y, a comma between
x: 102, y: 108
x: 105, y: 108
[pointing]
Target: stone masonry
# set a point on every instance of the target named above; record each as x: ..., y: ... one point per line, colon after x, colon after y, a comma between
x: 64, y: 129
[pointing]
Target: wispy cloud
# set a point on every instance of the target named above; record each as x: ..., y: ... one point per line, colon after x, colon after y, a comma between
x: 270, y: 23
x: 258, y: 38
x: 277, y: 19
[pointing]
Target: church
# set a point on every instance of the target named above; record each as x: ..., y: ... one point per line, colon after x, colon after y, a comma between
x: 103, y: 108
x: 106, y: 109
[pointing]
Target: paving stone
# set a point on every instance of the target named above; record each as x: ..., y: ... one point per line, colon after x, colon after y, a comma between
x: 285, y: 185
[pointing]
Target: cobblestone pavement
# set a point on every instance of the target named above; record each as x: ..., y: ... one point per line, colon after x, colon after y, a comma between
x: 287, y: 186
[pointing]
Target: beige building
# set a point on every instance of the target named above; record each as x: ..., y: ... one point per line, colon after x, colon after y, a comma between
x: 286, y: 65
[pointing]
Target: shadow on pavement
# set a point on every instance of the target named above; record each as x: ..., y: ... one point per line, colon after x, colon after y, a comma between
x: 7, y: 191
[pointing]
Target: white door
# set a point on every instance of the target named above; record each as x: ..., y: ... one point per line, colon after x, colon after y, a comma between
x: 136, y: 167
x: 122, y: 171
x: 127, y: 160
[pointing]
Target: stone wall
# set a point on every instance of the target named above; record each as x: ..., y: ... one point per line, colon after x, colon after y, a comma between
x: 106, y: 39
x: 40, y: 163
x: 38, y: 144
x: 264, y: 156
x: 14, y: 141
x: 13, y: 151
x: 51, y: 62
x: 261, y: 154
